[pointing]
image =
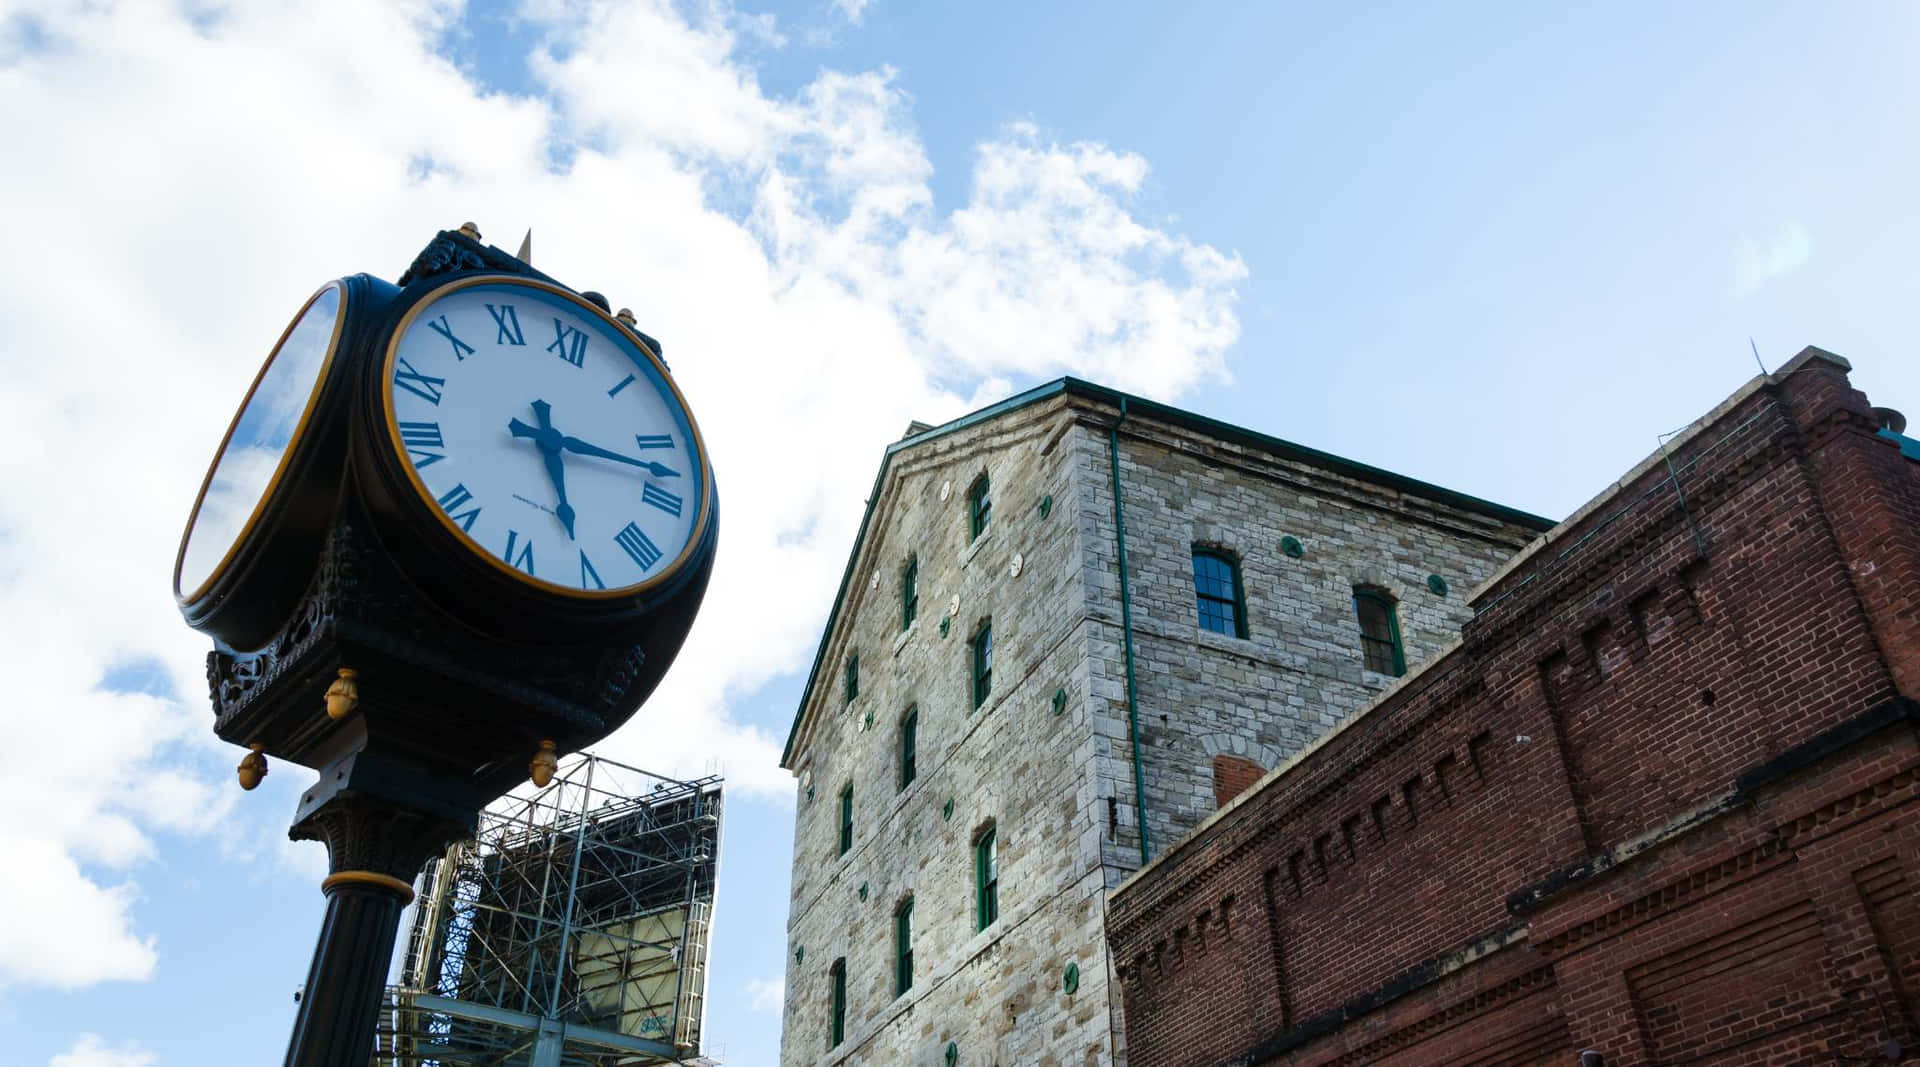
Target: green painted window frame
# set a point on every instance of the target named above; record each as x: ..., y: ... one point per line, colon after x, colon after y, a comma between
x: 979, y: 506
x: 980, y: 658
x: 909, y: 741
x: 909, y: 591
x: 903, y: 947
x: 846, y: 819
x: 1235, y: 605
x: 853, y: 676
x: 1381, y: 649
x: 837, y: 1010
x: 986, y: 878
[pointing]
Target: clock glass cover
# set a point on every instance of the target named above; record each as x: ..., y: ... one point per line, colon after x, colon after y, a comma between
x: 543, y: 434
x: 254, y: 454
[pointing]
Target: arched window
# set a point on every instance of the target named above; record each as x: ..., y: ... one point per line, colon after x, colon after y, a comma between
x: 837, y: 1007
x: 909, y: 591
x: 909, y: 729
x: 986, y: 878
x: 981, y: 652
x: 903, y: 947
x: 1379, y: 631
x: 979, y: 507
x: 1216, y: 591
x: 1232, y: 776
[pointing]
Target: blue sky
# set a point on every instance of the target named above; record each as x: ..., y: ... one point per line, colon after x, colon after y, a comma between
x: 1497, y: 248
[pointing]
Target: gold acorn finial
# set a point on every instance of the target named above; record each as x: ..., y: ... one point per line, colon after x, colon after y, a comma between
x: 344, y: 694
x: 470, y: 230
x: 253, y: 766
x: 625, y: 315
x: 543, y: 764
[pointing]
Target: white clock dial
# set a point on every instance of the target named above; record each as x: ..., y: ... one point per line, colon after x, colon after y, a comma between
x: 254, y: 454
x: 543, y: 435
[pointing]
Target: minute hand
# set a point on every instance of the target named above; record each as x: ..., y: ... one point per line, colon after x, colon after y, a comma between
x: 658, y: 470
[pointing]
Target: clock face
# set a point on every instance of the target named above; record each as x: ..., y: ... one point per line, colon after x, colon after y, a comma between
x: 544, y: 436
x: 262, y: 436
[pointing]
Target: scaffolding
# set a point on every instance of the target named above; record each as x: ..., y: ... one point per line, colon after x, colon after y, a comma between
x: 571, y: 932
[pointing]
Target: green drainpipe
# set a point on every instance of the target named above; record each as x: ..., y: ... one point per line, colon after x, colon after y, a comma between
x: 1126, y: 628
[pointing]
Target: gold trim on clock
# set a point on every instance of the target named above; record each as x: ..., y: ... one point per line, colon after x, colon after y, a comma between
x: 286, y: 456
x: 701, y: 520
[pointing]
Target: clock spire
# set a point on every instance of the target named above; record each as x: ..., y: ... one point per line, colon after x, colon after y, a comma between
x: 525, y: 255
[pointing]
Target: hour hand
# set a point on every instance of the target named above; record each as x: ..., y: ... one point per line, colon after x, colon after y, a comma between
x: 658, y: 470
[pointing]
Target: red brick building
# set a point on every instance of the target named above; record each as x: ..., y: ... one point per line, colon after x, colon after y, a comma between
x: 1660, y: 802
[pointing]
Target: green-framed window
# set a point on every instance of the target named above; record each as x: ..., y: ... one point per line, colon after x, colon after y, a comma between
x: 980, y: 652
x: 986, y: 878
x: 1380, y: 647
x: 979, y: 506
x: 909, y: 591
x: 1218, y: 598
x: 903, y: 947
x: 909, y: 740
x: 837, y: 1009
x: 846, y: 818
x: 853, y: 676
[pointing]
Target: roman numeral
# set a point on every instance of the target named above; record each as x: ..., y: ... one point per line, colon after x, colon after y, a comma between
x: 461, y: 349
x: 653, y: 440
x: 419, y: 436
x: 508, y: 322
x: 456, y: 498
x: 588, y: 574
x: 661, y: 499
x: 524, y: 560
x: 424, y: 386
x: 638, y: 545
x: 568, y: 343
x: 624, y: 382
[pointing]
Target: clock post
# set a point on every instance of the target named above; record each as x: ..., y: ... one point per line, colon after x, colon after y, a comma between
x: 449, y: 568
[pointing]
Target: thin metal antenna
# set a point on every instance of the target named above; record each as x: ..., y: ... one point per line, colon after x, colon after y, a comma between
x: 1750, y: 344
x: 525, y: 255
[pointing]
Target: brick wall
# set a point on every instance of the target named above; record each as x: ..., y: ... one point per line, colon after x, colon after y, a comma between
x: 1660, y: 801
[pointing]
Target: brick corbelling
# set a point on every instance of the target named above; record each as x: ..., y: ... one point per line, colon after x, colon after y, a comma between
x: 1534, y: 981
x: 1269, y: 817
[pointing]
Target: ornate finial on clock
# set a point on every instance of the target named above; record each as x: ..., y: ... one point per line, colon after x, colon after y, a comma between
x: 470, y: 231
x: 525, y: 255
x: 543, y: 764
x: 625, y: 315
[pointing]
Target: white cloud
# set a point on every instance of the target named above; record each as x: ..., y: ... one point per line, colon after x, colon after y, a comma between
x: 767, y: 994
x: 786, y: 249
x: 1756, y: 263
x: 91, y: 1051
x: 854, y: 10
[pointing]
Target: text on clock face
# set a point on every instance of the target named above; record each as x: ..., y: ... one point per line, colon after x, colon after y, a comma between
x: 570, y: 461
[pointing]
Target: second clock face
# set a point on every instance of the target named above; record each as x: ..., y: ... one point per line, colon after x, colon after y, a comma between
x: 543, y: 435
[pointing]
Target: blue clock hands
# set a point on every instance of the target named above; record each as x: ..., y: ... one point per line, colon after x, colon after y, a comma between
x: 658, y: 470
x: 549, y: 441
x: 552, y: 444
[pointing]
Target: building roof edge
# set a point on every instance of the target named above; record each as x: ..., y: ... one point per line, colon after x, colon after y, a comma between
x: 1151, y: 409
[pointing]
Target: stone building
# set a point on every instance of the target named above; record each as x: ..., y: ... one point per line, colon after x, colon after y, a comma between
x: 995, y: 694
x: 1661, y: 804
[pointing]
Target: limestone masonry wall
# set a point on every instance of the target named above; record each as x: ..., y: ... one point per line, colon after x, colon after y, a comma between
x: 1047, y: 761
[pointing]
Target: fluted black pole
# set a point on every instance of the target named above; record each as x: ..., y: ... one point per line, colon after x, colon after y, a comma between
x: 375, y: 848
